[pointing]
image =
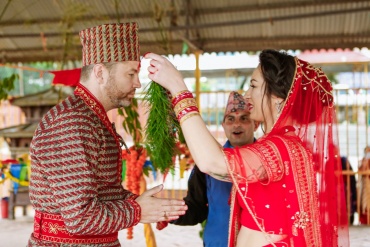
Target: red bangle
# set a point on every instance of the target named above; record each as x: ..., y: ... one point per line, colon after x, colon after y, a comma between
x: 180, y: 96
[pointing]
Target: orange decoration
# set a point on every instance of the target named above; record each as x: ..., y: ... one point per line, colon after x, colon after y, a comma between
x: 184, y: 150
x: 134, y: 170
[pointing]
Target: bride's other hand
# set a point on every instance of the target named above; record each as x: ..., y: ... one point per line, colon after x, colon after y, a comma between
x: 163, y: 72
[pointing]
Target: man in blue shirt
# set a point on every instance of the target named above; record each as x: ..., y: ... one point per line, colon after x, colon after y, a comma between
x: 208, y: 198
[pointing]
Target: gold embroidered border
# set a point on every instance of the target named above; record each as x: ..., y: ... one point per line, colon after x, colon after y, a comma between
x: 78, y: 241
x: 273, y: 164
x: 55, y: 228
x: 305, y: 182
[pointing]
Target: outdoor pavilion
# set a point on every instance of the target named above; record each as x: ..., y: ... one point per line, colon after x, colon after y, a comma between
x: 44, y: 30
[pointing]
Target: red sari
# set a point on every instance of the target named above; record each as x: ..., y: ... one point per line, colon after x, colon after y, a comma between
x: 302, y: 194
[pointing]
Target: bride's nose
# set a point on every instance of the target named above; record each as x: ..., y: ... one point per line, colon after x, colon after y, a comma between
x: 247, y: 94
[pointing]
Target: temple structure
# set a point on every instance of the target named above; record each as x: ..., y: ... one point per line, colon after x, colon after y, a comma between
x: 34, y: 106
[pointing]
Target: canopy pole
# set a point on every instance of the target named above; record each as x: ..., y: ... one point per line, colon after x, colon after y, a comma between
x: 197, y: 78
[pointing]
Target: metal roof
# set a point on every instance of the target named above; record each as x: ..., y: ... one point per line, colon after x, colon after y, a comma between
x: 45, y: 30
x: 49, y: 97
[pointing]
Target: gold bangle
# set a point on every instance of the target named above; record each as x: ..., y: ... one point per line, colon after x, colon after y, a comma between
x: 181, y: 105
x: 189, y: 115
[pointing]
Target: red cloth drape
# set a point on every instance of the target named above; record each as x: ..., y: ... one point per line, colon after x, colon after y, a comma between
x: 69, y: 77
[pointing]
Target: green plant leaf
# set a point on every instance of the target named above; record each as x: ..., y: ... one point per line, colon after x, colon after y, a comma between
x: 161, y: 128
x: 7, y: 85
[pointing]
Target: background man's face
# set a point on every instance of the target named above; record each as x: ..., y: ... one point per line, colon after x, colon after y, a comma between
x: 239, y: 128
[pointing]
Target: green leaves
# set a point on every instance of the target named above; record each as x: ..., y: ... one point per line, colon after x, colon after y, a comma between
x: 7, y: 85
x: 161, y: 128
x: 131, y: 123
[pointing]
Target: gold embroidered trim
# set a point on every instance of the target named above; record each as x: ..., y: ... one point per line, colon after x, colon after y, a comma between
x: 307, y: 218
x: 268, y: 151
x: 77, y: 241
x: 316, y: 83
x: 301, y: 221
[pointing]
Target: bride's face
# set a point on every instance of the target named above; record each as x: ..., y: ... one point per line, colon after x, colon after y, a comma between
x: 257, y: 101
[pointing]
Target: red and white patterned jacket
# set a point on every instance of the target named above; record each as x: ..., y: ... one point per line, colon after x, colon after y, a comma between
x: 76, y: 172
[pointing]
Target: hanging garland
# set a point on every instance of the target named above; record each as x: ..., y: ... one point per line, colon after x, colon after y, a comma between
x: 161, y: 128
x: 160, y: 142
x: 135, y: 158
x: 134, y: 167
x: 163, y: 142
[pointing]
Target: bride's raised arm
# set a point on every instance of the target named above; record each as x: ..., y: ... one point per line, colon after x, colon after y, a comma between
x: 205, y: 150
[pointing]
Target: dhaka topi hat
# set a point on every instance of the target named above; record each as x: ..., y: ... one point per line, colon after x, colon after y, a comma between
x: 115, y: 42
x: 235, y: 103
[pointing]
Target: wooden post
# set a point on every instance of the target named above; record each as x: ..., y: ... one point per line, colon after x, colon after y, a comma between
x: 197, y: 79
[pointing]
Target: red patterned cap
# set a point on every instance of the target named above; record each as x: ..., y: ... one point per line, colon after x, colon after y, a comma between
x: 235, y: 103
x: 110, y: 43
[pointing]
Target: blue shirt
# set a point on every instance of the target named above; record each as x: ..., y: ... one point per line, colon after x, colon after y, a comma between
x: 217, y: 226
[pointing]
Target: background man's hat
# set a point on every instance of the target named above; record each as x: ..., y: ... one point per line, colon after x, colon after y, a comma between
x: 110, y: 43
x: 235, y: 103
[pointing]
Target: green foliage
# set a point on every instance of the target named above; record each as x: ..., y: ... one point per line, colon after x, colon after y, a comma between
x: 6, y: 85
x: 203, y: 225
x: 332, y: 77
x: 161, y: 128
x: 124, y: 169
x: 31, y: 77
x: 131, y: 123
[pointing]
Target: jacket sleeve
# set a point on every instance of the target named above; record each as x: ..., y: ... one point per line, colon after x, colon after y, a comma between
x: 196, y: 200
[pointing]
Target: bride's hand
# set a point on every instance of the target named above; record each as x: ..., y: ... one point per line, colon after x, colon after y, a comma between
x: 165, y: 74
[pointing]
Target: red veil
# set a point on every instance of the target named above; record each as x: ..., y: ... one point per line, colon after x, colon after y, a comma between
x: 309, y: 108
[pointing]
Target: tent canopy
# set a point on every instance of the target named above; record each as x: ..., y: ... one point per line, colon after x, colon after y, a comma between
x: 44, y: 30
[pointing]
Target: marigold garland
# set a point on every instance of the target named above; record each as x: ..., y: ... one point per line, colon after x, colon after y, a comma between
x: 162, y: 131
x: 134, y: 167
x: 134, y: 158
x: 134, y: 171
